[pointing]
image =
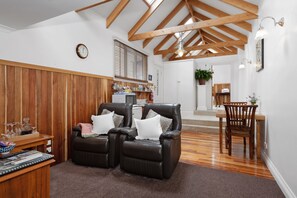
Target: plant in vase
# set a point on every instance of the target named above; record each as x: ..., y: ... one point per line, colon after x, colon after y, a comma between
x: 203, y: 75
x: 253, y: 99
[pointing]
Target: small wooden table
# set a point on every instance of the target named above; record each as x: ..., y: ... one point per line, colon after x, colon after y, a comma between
x: 259, y: 118
x: 39, y: 142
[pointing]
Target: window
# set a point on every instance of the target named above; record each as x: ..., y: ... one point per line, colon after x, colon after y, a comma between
x: 129, y: 63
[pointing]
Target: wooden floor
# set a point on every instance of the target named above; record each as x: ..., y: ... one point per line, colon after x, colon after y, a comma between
x: 203, y: 149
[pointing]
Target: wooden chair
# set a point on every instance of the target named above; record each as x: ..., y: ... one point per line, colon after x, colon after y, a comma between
x: 226, y: 131
x: 240, y: 122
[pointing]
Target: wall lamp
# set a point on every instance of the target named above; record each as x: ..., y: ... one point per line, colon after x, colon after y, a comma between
x: 242, y: 65
x: 261, y: 33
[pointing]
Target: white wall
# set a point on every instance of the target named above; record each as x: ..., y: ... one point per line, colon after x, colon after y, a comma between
x: 52, y: 43
x: 179, y: 84
x: 276, y: 87
x: 222, y: 74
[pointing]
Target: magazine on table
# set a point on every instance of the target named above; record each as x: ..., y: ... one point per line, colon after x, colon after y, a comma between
x: 20, y: 158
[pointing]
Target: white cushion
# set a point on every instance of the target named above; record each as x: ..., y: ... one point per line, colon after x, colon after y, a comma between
x: 117, y: 119
x: 149, y: 128
x: 166, y: 123
x: 102, y: 123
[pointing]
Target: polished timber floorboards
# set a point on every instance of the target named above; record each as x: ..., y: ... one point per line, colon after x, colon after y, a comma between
x: 202, y: 149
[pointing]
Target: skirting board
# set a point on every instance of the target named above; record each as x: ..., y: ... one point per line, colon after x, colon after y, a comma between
x: 278, y: 177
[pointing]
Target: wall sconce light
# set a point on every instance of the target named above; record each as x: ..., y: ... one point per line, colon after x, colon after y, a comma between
x: 242, y: 65
x: 261, y: 33
x: 180, y: 50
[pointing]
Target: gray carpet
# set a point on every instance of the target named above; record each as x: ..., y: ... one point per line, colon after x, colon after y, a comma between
x: 70, y: 180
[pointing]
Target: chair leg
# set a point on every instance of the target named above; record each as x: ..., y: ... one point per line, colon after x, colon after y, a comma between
x: 244, y: 141
x: 226, y: 141
x: 251, y: 147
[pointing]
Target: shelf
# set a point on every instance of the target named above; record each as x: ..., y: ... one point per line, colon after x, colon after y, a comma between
x: 142, y: 91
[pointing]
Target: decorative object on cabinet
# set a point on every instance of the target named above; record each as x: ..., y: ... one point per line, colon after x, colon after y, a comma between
x: 203, y: 75
x: 260, y: 55
x: 82, y: 51
x: 142, y: 91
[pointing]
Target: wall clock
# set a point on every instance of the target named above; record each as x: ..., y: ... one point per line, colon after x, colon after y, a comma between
x: 82, y: 51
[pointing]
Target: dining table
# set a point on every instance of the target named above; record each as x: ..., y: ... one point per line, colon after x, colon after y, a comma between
x: 260, y: 118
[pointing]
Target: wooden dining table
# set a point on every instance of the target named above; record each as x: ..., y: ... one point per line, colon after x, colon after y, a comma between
x: 259, y: 119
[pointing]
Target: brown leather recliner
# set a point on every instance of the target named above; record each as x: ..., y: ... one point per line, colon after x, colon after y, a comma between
x: 156, y: 159
x: 101, y: 151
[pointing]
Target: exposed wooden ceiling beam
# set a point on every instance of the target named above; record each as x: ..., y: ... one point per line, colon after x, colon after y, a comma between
x: 223, y: 28
x: 115, y: 13
x: 168, y: 37
x: 220, y: 35
x: 221, y: 49
x: 193, y: 26
x: 206, y: 46
x: 243, y: 24
x: 216, y: 40
x: 206, y: 56
x: 166, y: 20
x: 194, y: 19
x: 144, y: 17
x: 91, y: 6
x: 243, y: 5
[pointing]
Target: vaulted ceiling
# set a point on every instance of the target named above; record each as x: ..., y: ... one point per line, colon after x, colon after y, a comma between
x: 209, y: 27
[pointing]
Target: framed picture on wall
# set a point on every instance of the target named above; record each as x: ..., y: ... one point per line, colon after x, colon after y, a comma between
x: 260, y: 55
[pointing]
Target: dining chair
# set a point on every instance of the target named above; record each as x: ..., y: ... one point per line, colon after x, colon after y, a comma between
x: 240, y: 122
x: 226, y: 131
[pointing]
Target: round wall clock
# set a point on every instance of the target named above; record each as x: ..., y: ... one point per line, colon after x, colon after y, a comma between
x: 82, y: 51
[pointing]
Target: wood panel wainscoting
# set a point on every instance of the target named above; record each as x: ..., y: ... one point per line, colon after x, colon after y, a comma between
x: 55, y: 100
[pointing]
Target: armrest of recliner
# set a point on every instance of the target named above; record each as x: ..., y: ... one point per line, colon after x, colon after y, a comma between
x: 170, y: 135
x: 130, y: 132
x: 76, y: 131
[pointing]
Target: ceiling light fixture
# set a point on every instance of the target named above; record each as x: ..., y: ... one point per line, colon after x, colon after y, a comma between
x: 180, y: 50
x: 261, y: 33
x: 242, y: 65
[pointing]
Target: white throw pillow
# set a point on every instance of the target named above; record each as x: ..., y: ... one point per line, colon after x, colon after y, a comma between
x: 102, y: 123
x: 149, y: 128
x: 166, y: 123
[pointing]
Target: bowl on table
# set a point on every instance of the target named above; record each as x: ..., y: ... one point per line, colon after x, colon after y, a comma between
x: 6, y: 147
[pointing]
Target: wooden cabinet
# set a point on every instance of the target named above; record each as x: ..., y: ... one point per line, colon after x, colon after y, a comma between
x: 33, y: 181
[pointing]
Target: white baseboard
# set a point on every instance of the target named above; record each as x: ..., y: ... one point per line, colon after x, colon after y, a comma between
x: 278, y: 177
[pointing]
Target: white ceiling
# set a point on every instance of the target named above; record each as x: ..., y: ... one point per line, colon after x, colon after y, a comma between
x: 18, y: 14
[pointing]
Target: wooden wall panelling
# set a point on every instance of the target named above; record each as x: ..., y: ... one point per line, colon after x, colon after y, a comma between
x: 79, y: 100
x: 29, y: 95
x: 59, y: 118
x: 10, y: 93
x: 69, y: 114
x: 44, y: 101
x: 54, y: 100
x: 2, y: 98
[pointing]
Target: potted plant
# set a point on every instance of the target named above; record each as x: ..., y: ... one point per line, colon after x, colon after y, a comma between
x: 203, y: 75
x: 253, y: 99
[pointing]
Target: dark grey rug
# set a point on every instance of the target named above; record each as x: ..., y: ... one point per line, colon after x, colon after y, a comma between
x: 70, y: 180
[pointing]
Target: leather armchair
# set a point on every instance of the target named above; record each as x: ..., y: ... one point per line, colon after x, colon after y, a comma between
x: 103, y: 150
x: 151, y: 158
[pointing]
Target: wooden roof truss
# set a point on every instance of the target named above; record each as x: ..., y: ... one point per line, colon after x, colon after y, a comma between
x: 211, y: 36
